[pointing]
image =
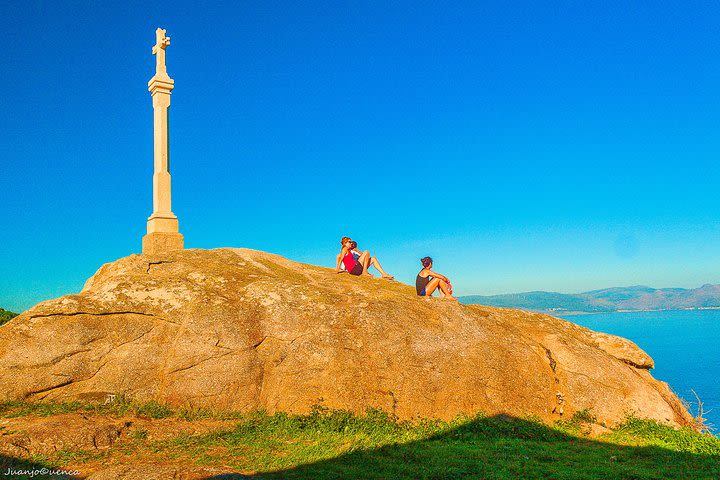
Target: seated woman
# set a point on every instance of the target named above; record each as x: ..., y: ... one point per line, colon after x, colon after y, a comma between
x: 354, y: 266
x: 340, y: 255
x: 355, y: 262
x: 428, y: 281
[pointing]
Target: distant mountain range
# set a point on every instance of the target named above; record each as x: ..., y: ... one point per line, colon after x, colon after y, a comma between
x: 618, y: 299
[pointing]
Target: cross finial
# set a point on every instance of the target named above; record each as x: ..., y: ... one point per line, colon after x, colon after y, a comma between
x: 161, y: 43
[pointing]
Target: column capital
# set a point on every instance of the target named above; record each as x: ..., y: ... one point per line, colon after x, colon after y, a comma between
x: 160, y: 83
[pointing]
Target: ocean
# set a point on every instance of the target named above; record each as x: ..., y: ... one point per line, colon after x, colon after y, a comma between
x: 684, y: 344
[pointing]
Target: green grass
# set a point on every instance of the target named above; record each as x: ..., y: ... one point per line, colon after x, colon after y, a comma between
x: 481, y: 447
x: 6, y: 316
x: 337, y: 444
x: 119, y: 407
x: 651, y: 433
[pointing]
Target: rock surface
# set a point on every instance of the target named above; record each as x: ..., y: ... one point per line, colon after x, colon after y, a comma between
x: 243, y: 330
x: 44, y: 435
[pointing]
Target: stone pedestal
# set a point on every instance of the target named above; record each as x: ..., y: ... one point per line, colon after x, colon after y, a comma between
x: 162, y: 242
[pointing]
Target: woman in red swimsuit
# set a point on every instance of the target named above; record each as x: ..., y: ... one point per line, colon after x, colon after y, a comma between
x: 357, y: 265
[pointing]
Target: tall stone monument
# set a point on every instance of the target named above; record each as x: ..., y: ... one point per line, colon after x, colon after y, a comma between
x: 163, y: 234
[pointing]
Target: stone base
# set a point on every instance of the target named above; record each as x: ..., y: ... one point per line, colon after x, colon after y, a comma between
x: 162, y: 242
x: 162, y: 222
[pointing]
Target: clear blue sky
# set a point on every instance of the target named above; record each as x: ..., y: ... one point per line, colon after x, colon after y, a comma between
x: 557, y: 146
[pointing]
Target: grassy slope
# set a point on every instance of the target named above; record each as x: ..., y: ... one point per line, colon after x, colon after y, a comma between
x: 5, y: 316
x: 336, y: 444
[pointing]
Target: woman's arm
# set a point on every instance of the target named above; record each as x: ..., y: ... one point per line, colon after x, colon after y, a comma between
x: 437, y: 275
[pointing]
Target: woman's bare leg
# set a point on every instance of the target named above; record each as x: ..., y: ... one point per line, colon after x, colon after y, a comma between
x: 431, y: 287
x: 444, y: 291
x: 375, y: 263
x: 364, y: 260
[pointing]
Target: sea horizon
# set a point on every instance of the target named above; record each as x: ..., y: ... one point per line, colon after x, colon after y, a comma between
x: 573, y: 313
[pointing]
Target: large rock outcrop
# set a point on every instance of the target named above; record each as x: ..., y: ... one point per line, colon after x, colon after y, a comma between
x: 243, y: 330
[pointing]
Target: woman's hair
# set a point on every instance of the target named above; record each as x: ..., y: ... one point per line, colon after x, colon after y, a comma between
x: 344, y: 240
x: 353, y: 244
x: 426, y: 261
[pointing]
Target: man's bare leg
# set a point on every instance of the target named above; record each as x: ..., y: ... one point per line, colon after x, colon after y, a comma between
x: 375, y: 263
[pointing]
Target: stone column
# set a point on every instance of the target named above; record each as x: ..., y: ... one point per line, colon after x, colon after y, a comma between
x: 163, y: 233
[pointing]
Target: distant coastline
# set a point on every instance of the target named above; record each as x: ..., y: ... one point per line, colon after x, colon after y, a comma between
x: 563, y: 312
x: 609, y: 300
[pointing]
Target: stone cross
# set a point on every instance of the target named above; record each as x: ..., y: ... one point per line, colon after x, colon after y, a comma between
x: 163, y: 232
x: 161, y: 43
